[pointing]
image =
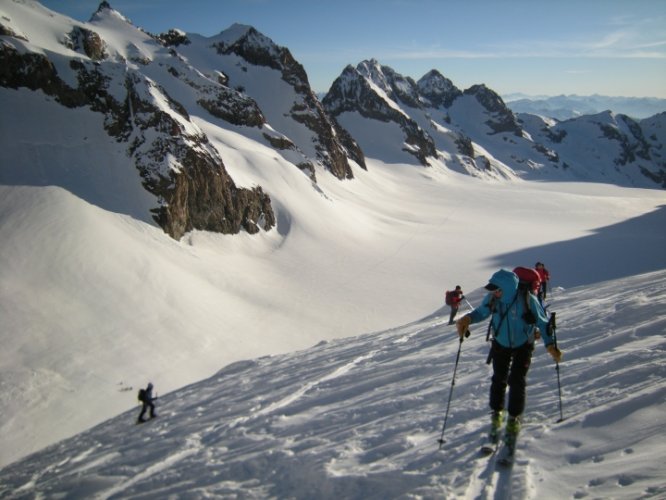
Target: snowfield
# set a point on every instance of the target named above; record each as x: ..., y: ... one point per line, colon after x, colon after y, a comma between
x: 97, y: 303
x: 360, y: 418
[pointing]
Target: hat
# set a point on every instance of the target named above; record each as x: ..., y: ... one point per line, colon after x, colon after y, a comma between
x: 491, y: 287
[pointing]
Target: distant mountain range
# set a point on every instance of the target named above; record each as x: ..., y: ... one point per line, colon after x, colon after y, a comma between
x: 564, y: 107
x: 474, y: 131
x: 82, y: 96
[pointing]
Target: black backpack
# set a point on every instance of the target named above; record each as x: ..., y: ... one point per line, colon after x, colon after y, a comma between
x: 142, y: 395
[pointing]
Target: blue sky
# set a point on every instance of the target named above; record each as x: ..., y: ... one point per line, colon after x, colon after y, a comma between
x: 538, y: 47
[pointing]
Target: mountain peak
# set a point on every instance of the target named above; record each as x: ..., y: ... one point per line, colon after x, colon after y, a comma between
x: 490, y: 99
x: 243, y: 34
x: 105, y: 11
x: 438, y: 89
x: 104, y: 6
x: 235, y: 32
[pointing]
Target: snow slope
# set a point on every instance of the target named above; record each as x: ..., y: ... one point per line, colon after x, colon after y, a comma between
x: 95, y: 303
x: 360, y: 418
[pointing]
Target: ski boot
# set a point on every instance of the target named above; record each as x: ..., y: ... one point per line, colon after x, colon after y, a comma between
x: 495, y: 427
x: 511, y: 433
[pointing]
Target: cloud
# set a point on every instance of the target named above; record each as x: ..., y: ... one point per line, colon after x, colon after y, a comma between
x: 620, y: 44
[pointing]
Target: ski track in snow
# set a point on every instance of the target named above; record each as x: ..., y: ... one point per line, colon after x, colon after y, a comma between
x: 273, y: 407
x: 153, y: 469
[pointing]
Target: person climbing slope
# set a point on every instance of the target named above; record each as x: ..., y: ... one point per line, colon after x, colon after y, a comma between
x: 544, y: 277
x: 147, y: 402
x: 453, y: 300
x: 512, y: 346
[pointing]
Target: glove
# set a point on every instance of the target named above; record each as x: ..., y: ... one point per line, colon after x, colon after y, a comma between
x: 554, y: 352
x: 463, y: 325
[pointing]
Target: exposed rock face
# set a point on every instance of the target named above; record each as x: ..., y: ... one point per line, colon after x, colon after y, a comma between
x: 179, y: 168
x: 174, y: 158
x: 633, y: 144
x: 187, y: 173
x: 35, y: 71
x: 173, y: 38
x: 7, y: 31
x: 199, y: 200
x: 502, y: 119
x: 233, y: 107
x: 353, y: 91
x: 654, y: 132
x: 397, y: 87
x: 437, y: 90
x: 88, y: 42
x: 334, y: 145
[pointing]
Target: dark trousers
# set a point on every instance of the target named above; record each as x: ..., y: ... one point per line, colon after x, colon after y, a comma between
x: 454, y: 311
x: 145, y: 407
x: 510, y: 367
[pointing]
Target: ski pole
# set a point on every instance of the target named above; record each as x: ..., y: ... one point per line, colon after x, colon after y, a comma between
x: 553, y: 328
x: 453, y: 383
x: 469, y: 305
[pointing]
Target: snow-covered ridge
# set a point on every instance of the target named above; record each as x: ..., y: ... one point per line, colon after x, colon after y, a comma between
x: 475, y: 132
x: 360, y: 418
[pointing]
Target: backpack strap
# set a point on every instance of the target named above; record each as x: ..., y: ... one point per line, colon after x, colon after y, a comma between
x: 527, y: 301
x: 491, y: 305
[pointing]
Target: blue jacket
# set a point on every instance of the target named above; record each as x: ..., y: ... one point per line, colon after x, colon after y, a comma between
x: 512, y: 331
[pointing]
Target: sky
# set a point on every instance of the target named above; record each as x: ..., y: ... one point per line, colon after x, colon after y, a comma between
x: 607, y: 47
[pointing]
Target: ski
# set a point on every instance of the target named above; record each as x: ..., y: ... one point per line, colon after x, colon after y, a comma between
x: 506, y: 456
x: 492, y: 440
x: 144, y: 421
x: 489, y: 447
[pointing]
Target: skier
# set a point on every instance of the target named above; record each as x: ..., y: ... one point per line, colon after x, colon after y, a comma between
x: 146, y: 398
x: 455, y: 298
x: 511, y: 349
x: 544, y: 276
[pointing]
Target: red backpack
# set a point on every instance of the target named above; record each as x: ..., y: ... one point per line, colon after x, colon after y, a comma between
x: 528, y: 279
x: 448, y: 298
